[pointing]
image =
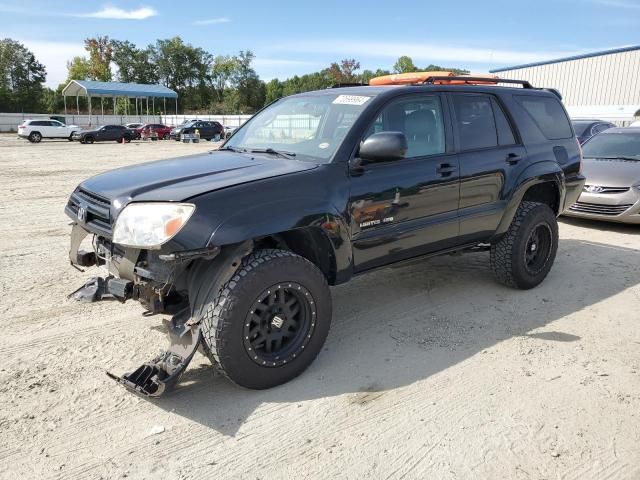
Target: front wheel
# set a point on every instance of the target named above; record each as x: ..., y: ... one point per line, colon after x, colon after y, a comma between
x: 525, y: 254
x: 71, y: 137
x: 269, y: 322
x: 88, y: 139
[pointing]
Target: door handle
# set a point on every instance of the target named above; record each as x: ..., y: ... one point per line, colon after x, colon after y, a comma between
x: 513, y: 158
x: 445, y: 169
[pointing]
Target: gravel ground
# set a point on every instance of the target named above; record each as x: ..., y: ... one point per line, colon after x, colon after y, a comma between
x: 431, y: 370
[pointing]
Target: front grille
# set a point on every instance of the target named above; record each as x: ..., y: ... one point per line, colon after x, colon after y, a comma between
x: 601, y: 189
x: 583, y: 207
x: 98, y: 211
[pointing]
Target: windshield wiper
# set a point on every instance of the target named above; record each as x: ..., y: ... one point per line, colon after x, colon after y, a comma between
x: 271, y: 151
x: 233, y: 149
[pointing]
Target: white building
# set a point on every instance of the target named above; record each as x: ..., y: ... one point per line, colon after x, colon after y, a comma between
x: 603, y: 85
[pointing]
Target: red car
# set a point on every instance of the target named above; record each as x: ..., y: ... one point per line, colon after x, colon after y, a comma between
x: 147, y: 128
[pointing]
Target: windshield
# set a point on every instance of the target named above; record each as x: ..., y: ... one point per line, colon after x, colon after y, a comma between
x: 309, y: 127
x: 581, y: 127
x: 613, y: 145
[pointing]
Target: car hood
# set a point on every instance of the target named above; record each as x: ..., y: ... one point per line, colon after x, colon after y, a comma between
x: 179, y: 179
x: 611, y: 173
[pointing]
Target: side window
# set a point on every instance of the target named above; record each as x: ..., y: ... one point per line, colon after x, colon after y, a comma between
x: 548, y: 115
x: 475, y: 122
x: 39, y: 123
x: 55, y: 123
x: 420, y: 119
x: 505, y: 133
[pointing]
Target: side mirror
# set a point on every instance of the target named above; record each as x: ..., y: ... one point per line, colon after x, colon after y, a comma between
x: 384, y: 147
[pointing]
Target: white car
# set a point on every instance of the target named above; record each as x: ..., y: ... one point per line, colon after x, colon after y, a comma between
x: 36, y: 130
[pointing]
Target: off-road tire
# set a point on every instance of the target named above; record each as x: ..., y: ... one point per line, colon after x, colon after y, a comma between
x: 35, y: 137
x: 224, y: 317
x: 508, y: 255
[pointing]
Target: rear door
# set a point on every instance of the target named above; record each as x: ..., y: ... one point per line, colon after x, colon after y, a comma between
x: 489, y: 151
x: 404, y: 208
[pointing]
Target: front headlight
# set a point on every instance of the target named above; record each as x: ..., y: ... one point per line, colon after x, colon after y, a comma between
x: 149, y: 225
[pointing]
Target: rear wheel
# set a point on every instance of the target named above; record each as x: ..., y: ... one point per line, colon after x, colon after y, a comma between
x: 35, y: 137
x: 525, y: 255
x: 269, y: 322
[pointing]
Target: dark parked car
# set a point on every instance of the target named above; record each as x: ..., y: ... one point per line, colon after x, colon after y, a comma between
x: 207, y: 130
x: 104, y: 134
x: 585, y: 129
x: 612, y: 168
x: 241, y: 244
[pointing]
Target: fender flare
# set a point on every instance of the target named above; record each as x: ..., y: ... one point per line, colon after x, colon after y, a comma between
x: 541, y: 172
x: 283, y: 216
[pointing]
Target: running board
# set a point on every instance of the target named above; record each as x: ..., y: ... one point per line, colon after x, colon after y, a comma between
x: 160, y: 375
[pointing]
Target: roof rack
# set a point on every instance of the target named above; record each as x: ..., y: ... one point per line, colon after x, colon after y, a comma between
x: 347, y: 84
x: 467, y: 80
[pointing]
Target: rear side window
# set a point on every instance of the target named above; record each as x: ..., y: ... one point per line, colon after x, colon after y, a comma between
x: 548, y: 115
x: 475, y: 122
x: 39, y: 123
x: 505, y: 133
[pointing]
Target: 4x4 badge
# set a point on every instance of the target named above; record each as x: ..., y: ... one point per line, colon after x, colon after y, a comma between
x: 82, y: 214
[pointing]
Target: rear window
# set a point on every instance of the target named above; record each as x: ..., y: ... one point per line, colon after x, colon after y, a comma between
x: 548, y: 115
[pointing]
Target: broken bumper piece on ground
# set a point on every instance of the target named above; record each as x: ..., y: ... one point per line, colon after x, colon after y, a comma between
x: 159, y: 376
x: 98, y: 288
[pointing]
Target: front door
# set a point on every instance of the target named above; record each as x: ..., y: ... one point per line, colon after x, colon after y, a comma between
x: 404, y: 208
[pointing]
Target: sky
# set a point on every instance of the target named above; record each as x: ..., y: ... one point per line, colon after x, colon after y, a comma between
x: 297, y: 37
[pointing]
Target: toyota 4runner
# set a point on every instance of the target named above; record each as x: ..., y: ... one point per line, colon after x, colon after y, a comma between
x: 240, y: 245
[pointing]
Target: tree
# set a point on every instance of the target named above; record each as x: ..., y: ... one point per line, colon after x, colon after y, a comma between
x: 343, y: 72
x: 222, y: 71
x: 367, y: 75
x: 404, y: 64
x: 100, y: 56
x: 78, y: 69
x: 134, y: 64
x: 185, y: 69
x: 21, y: 78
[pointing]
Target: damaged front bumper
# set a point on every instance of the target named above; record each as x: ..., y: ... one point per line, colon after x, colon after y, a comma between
x: 167, y: 283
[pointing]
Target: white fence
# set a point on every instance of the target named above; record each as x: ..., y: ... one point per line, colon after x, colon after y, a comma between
x: 9, y: 121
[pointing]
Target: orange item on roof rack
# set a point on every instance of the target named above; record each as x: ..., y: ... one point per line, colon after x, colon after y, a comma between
x: 414, y: 78
x: 407, y: 78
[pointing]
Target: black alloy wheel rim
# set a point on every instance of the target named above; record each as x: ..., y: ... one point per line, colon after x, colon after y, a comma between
x: 280, y: 324
x: 538, y: 249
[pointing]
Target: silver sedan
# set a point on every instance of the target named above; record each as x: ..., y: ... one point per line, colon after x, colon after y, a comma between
x: 612, y: 168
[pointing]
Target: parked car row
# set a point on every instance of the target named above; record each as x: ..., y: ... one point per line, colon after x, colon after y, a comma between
x: 36, y: 130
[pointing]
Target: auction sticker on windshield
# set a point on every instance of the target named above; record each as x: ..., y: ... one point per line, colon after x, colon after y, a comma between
x: 350, y: 99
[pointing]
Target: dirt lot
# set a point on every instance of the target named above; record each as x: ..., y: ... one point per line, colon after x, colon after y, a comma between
x: 431, y: 370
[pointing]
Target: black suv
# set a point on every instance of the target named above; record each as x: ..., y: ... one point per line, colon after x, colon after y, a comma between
x: 240, y: 245
x: 208, y: 130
